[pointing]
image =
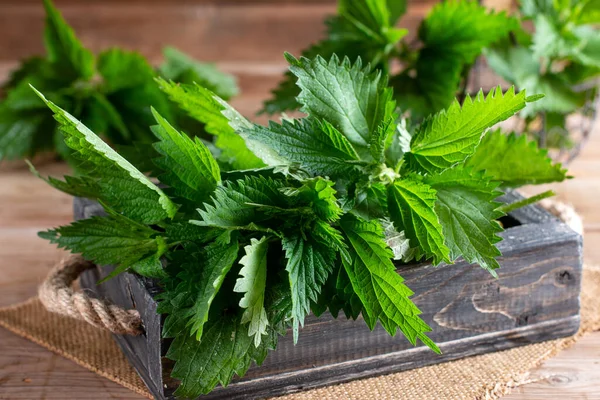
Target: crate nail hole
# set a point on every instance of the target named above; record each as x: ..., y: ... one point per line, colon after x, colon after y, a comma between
x: 564, y: 277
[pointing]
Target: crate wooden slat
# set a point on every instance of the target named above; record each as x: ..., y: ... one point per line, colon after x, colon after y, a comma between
x: 535, y: 298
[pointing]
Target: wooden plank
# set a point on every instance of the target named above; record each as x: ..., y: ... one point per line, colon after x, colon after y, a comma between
x: 234, y: 33
x: 21, y: 193
x: 573, y: 374
x: 30, y: 372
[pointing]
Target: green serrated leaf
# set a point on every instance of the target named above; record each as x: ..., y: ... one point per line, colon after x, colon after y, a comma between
x: 202, y: 105
x: 63, y: 47
x: 122, y: 69
x: 370, y: 201
x: 179, y: 67
x: 376, y: 282
x: 453, y: 34
x: 467, y: 212
x: 233, y: 205
x: 17, y: 134
x: 362, y: 28
x: 315, y: 145
x: 121, y: 186
x: 252, y: 283
x: 519, y: 66
x: 214, y: 261
x: 226, y: 349
x: 75, y: 186
x: 110, y: 240
x: 450, y: 136
x: 353, y: 99
x: 320, y: 195
x: 188, y: 166
x: 464, y: 28
x: 309, y: 263
x: 514, y: 160
x: 411, y: 208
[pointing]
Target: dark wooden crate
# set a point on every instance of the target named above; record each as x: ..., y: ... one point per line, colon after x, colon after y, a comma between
x: 535, y: 298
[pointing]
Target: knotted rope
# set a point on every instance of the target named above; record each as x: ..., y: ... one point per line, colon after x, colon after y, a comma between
x: 57, y: 296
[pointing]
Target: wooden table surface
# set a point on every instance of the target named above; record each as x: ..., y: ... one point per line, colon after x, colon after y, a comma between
x: 28, y: 371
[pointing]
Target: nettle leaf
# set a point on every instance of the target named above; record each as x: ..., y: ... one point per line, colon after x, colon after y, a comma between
x: 555, y: 39
x: 362, y: 28
x: 110, y: 240
x: 252, y: 283
x: 411, y: 208
x: 464, y: 28
x: 467, y: 212
x: 519, y: 66
x: 122, y: 69
x: 453, y: 34
x: 380, y: 288
x: 353, y: 99
x: 450, y: 136
x: 315, y: 145
x: 309, y: 263
x: 234, y: 205
x: 381, y: 138
x: 63, y: 47
x: 514, y: 160
x: 17, y: 134
x: 433, y: 87
x: 320, y: 195
x: 370, y: 20
x: 189, y: 167
x: 75, y: 186
x: 129, y: 88
x: 226, y: 349
x: 214, y: 262
x: 202, y: 105
x: 121, y: 186
x: 370, y: 201
x: 179, y: 67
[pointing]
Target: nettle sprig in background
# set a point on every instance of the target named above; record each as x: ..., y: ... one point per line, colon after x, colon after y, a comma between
x: 427, y: 72
x: 111, y: 93
x: 561, y: 59
x: 335, y: 199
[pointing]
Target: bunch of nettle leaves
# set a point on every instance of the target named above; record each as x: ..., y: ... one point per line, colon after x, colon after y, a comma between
x: 311, y: 218
x: 111, y: 93
x: 560, y: 59
x: 248, y: 236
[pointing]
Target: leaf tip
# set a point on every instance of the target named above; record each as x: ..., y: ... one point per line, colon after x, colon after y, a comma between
x: 535, y: 97
x: 290, y: 58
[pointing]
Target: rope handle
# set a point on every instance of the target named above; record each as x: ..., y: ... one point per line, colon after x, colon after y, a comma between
x: 57, y: 296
